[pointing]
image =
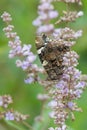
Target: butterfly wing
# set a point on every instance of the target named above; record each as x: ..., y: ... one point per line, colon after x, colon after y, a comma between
x: 51, y: 57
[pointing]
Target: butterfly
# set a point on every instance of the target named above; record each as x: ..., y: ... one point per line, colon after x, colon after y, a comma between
x: 51, y: 56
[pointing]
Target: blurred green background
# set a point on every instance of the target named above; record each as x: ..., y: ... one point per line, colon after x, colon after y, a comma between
x: 12, y: 78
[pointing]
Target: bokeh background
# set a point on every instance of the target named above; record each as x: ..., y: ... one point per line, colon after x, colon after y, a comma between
x: 12, y: 78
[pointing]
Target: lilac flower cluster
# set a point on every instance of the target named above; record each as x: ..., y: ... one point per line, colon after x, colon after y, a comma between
x: 70, y: 86
x: 66, y: 91
x: 14, y: 115
x: 66, y: 36
x: 46, y: 13
x: 7, y: 114
x: 76, y: 85
x: 70, y: 1
x: 26, y: 57
x: 5, y: 100
x: 69, y: 16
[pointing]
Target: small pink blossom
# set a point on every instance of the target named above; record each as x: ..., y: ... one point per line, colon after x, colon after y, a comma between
x: 53, y: 14
x: 9, y: 116
x: 45, y: 29
x: 29, y: 80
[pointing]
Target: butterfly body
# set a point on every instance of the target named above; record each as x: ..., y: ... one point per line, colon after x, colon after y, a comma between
x: 51, y: 56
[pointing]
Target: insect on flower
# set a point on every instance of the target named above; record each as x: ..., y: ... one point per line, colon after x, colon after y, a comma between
x: 51, y: 56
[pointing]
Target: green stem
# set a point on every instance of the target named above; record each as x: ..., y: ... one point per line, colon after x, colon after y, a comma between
x: 27, y: 125
x: 14, y: 125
